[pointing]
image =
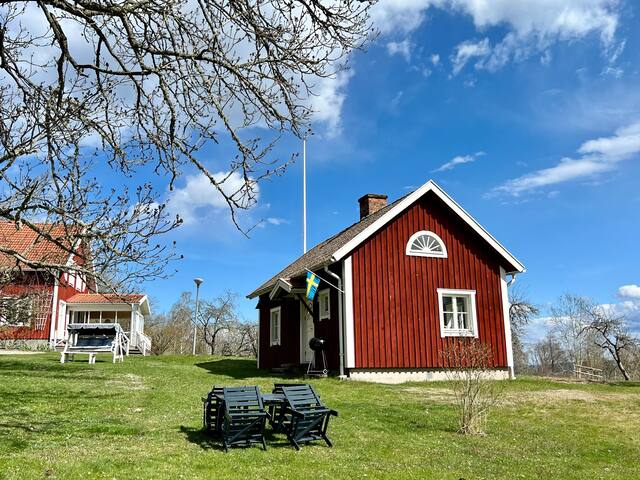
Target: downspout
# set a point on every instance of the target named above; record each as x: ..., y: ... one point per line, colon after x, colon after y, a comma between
x: 513, y: 278
x: 341, y: 374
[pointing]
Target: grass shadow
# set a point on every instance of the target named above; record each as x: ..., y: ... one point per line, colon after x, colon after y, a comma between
x: 208, y: 441
x: 236, y: 368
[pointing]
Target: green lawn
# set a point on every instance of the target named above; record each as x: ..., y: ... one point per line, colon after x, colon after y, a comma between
x: 142, y: 419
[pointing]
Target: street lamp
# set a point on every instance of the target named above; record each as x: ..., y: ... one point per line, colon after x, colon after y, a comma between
x: 198, y: 282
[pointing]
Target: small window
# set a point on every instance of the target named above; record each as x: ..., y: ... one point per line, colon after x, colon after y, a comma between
x: 457, y: 313
x: 324, y: 304
x: 274, y: 326
x: 426, y: 244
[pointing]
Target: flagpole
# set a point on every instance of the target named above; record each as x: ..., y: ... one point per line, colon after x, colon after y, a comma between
x: 304, y: 195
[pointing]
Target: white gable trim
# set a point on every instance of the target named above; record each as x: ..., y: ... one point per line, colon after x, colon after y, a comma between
x: 405, y: 203
x: 280, y: 284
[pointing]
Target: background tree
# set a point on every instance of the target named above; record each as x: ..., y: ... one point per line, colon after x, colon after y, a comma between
x: 568, y: 318
x: 550, y: 358
x: 133, y: 90
x: 220, y: 330
x: 521, y: 312
x: 217, y: 317
x: 610, y: 334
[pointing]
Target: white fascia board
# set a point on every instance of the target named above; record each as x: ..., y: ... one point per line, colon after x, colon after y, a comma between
x: 349, y: 337
x: 281, y: 283
x: 430, y: 186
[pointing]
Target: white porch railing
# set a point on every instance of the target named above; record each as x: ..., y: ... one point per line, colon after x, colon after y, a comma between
x: 142, y: 341
x: 125, y: 343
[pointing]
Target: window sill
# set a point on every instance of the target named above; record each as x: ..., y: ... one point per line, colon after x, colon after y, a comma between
x: 459, y: 333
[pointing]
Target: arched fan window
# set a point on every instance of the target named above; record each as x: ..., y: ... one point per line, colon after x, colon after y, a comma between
x: 426, y: 244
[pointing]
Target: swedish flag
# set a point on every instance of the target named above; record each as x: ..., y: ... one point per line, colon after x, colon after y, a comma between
x: 312, y: 285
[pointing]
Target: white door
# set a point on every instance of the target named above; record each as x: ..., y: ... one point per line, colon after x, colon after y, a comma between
x: 306, y: 334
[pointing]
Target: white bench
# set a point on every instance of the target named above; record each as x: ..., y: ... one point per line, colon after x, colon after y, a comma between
x: 92, y: 345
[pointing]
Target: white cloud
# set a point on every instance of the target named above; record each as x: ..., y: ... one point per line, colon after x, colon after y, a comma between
x: 276, y: 221
x: 199, y: 200
x: 625, y: 142
x: 598, y: 156
x: 435, y: 59
x: 328, y: 101
x: 402, y: 48
x: 630, y: 291
x: 467, y: 51
x: 400, y: 16
x: 532, y: 26
x: 458, y: 160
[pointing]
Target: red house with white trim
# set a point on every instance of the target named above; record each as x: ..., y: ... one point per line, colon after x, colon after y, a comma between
x: 396, y: 288
x: 47, y: 300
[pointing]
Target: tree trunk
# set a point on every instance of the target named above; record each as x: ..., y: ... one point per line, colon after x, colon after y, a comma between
x: 623, y: 370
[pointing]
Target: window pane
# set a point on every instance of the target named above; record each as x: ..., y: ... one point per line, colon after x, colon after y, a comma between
x: 461, y: 303
x: 462, y: 321
x: 448, y: 320
x: 447, y: 304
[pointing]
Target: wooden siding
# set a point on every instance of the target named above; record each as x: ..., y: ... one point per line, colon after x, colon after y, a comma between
x: 37, y: 282
x: 30, y: 283
x: 395, y: 300
x: 288, y: 352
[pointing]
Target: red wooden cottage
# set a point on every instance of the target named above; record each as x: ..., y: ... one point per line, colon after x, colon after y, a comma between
x: 44, y: 301
x: 408, y: 278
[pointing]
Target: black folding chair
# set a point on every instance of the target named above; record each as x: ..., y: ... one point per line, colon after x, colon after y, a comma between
x: 309, y: 416
x: 213, y: 410
x: 244, y: 417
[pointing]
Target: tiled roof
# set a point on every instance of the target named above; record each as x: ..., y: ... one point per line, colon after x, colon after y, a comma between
x: 105, y: 298
x: 32, y: 245
x: 321, y: 253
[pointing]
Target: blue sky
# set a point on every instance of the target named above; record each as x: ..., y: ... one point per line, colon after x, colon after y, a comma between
x: 527, y: 115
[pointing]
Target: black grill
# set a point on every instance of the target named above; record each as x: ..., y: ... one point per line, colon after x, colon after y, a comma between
x: 317, y: 344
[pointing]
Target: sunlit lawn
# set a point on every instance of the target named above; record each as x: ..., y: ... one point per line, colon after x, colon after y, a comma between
x: 142, y: 419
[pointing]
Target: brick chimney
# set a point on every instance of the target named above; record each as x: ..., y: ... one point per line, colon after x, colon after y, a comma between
x: 371, y: 203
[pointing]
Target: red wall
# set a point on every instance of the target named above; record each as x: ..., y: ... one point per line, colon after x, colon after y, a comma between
x: 31, y: 282
x: 288, y: 352
x: 396, y: 314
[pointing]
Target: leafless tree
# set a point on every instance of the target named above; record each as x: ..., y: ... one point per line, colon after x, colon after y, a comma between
x: 611, y: 333
x: 521, y: 312
x: 181, y: 318
x: 248, y: 344
x: 568, y: 318
x: 476, y: 390
x: 130, y: 91
x: 162, y: 333
x: 549, y: 357
x: 215, y: 317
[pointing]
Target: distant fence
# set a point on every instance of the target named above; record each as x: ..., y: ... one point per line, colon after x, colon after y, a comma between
x: 588, y: 373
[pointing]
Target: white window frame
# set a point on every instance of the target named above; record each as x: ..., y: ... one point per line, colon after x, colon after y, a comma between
x: 322, y: 315
x: 275, y: 341
x: 412, y: 253
x: 450, y: 332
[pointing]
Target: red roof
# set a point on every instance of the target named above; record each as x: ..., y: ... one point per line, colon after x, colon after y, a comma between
x: 32, y: 245
x: 105, y: 298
